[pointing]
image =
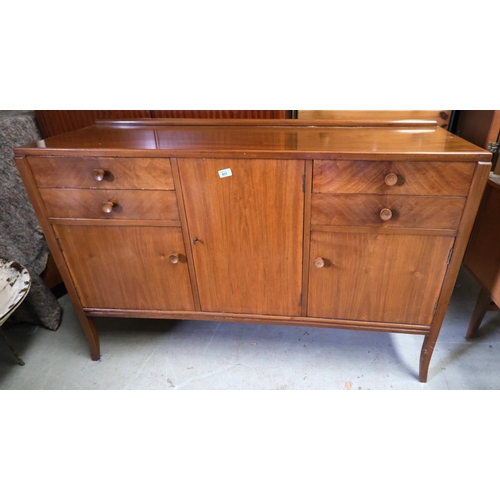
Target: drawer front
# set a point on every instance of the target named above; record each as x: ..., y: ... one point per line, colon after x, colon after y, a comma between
x: 426, y: 212
x: 386, y: 177
x: 122, y: 204
x: 102, y: 173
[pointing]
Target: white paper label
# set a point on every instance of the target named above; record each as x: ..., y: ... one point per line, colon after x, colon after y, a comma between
x: 225, y: 173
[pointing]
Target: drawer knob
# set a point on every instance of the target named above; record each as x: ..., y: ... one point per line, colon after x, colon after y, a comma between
x: 174, y: 258
x: 319, y: 262
x: 385, y: 213
x: 391, y: 179
x: 98, y: 174
x: 107, y: 207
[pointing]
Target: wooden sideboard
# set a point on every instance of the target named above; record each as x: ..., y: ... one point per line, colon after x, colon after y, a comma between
x: 283, y: 221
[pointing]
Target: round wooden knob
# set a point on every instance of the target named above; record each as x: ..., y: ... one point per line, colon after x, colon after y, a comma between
x: 385, y: 213
x: 319, y: 262
x: 391, y: 179
x: 174, y: 258
x: 98, y: 174
x: 107, y: 207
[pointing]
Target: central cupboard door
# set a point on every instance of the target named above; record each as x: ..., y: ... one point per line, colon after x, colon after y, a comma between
x: 245, y: 221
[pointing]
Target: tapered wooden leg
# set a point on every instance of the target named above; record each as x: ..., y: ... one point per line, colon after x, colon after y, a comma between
x: 425, y: 356
x: 482, y: 306
x: 91, y: 334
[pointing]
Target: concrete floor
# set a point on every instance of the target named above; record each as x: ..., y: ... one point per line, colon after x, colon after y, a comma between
x: 161, y: 354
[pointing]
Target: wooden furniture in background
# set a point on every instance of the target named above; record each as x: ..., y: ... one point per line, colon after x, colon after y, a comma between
x: 224, y: 114
x: 482, y: 259
x: 265, y: 221
x: 56, y: 122
x: 442, y: 118
x: 482, y: 128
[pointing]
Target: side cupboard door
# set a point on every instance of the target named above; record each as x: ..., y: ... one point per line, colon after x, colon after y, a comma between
x: 392, y: 278
x: 245, y: 221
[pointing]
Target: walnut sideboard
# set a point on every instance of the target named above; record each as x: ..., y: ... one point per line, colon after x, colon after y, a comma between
x: 345, y: 225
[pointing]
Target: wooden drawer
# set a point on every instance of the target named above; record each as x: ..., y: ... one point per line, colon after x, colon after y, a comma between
x: 428, y: 212
x: 412, y: 178
x: 119, y: 173
x: 128, y: 204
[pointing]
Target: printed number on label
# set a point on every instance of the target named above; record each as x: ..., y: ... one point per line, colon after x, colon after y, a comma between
x: 225, y: 173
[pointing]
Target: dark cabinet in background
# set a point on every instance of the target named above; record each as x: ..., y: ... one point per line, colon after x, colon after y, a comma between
x: 57, y: 122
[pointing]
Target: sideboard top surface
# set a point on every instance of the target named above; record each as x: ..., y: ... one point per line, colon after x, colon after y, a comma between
x: 286, y: 140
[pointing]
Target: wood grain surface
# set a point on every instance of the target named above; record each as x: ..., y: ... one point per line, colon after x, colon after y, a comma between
x: 224, y: 113
x: 249, y: 227
x: 127, y: 267
x: 415, y: 178
x: 383, y: 243
x: 87, y: 323
x: 430, y: 212
x: 478, y: 126
x: 390, y: 278
x: 130, y: 204
x: 464, y: 230
x: 441, y: 117
x: 483, y: 253
x: 56, y: 122
x: 119, y: 173
x: 344, y: 324
x: 266, y: 141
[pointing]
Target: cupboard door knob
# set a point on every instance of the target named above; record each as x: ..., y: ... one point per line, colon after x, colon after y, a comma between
x: 98, y: 174
x: 391, y: 179
x: 385, y: 213
x: 107, y: 207
x: 174, y: 258
x: 319, y: 262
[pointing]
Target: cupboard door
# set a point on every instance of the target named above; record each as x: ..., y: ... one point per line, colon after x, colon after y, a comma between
x: 128, y: 267
x: 376, y: 277
x: 247, y: 230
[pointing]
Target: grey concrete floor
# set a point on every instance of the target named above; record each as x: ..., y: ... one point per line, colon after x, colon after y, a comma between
x: 164, y: 354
